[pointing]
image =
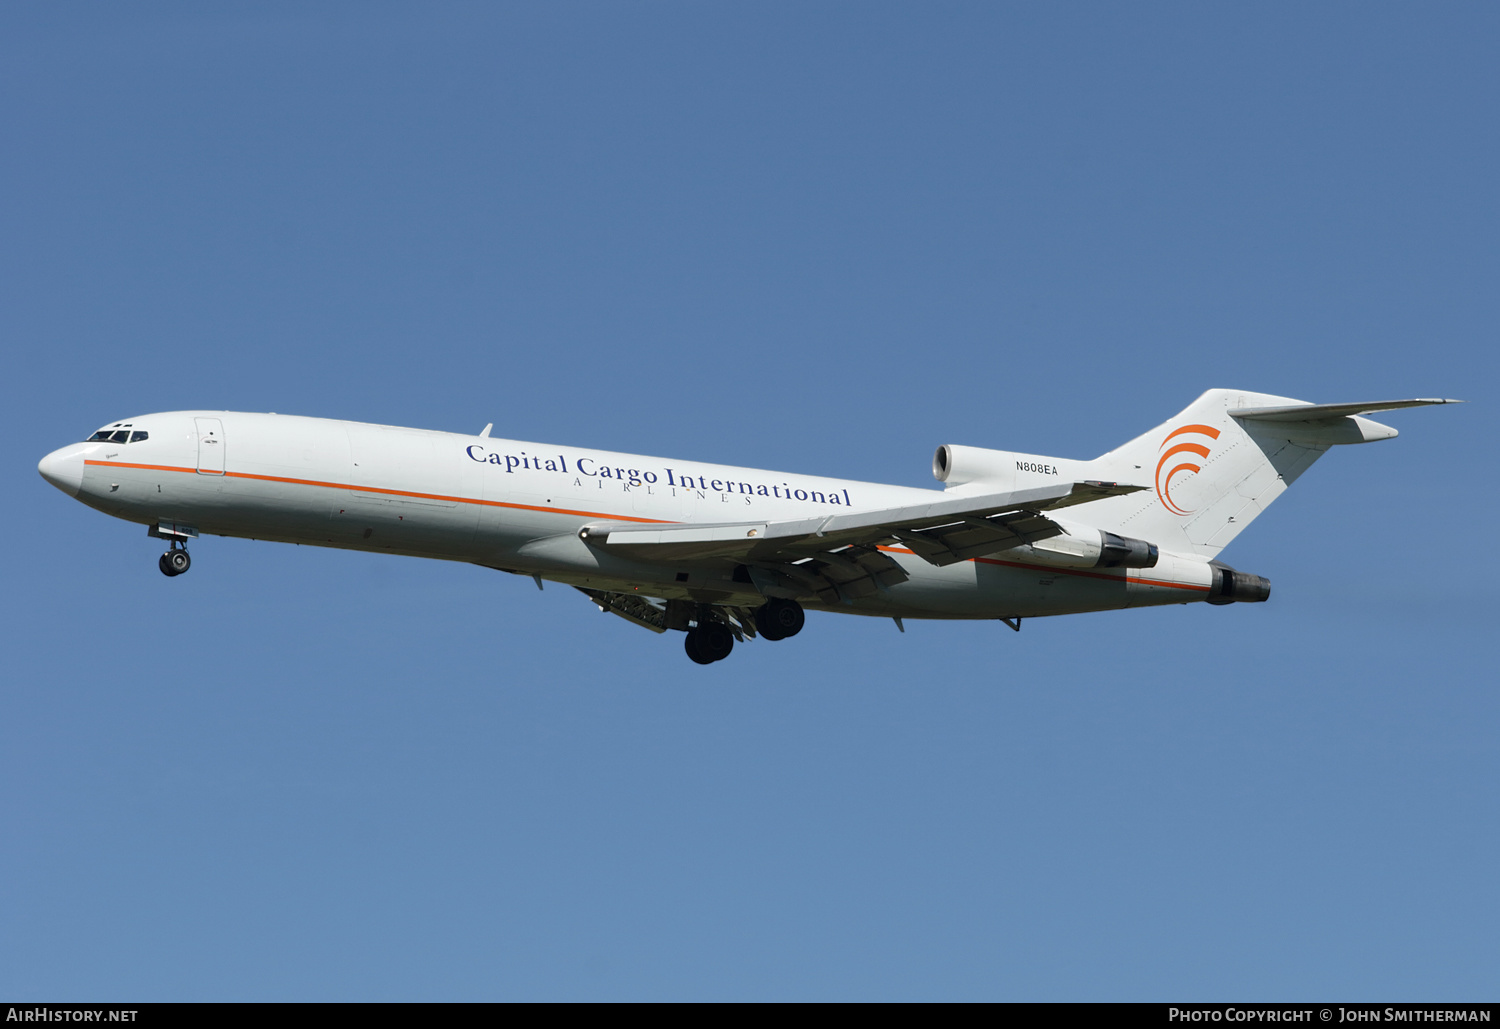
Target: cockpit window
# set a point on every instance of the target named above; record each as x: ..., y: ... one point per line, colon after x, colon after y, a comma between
x: 114, y: 435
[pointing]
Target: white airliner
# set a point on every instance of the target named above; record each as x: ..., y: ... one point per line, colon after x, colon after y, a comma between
x: 729, y: 554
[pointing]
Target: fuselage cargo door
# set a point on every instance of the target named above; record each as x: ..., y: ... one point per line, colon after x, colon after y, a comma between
x: 210, y: 446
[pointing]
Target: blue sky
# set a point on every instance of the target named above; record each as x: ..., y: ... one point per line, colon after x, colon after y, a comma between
x: 812, y: 237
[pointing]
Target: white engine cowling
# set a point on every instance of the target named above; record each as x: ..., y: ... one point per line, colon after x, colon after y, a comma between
x: 1083, y: 547
x: 1000, y: 471
x: 953, y: 465
x: 974, y: 469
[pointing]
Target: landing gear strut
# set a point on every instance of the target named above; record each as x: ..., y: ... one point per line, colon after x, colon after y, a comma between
x: 778, y: 619
x: 175, y: 561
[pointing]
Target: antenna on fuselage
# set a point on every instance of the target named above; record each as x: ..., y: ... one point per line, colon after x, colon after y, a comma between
x: 486, y: 433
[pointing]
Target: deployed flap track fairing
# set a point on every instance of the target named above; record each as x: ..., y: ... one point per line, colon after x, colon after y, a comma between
x: 1009, y: 536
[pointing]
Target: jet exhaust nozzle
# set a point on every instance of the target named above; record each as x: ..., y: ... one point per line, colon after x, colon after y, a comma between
x: 1234, y: 587
x: 1124, y: 552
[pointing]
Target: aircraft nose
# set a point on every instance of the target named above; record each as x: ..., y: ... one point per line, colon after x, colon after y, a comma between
x: 64, y: 469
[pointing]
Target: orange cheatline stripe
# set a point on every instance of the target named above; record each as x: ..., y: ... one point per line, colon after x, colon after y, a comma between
x: 148, y: 467
x: 1071, y: 571
x: 388, y: 492
x: 1094, y: 575
x: 596, y: 514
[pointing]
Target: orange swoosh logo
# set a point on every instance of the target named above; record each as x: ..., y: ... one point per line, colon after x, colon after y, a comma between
x: 1165, y: 477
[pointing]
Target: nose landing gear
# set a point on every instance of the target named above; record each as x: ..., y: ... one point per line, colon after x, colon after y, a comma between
x: 175, y: 561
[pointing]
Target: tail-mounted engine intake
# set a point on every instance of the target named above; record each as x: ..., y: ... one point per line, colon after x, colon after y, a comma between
x: 1232, y: 587
x: 999, y: 470
x: 954, y: 465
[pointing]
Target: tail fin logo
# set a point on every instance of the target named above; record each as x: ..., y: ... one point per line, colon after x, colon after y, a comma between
x: 1167, y: 471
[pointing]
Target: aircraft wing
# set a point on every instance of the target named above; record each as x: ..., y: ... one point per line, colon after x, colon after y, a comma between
x: 837, y: 556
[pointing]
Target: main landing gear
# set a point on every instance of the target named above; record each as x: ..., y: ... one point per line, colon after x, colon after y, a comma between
x: 711, y: 640
x: 779, y: 619
x: 175, y: 561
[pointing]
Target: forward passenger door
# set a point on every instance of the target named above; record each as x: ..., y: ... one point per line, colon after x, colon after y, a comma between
x: 210, y: 446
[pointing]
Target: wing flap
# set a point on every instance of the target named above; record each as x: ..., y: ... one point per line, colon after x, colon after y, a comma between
x: 636, y: 610
x: 974, y: 537
x: 841, y: 576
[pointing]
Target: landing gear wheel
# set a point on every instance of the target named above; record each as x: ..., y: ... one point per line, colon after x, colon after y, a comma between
x: 691, y: 646
x: 778, y: 619
x: 715, y: 641
x: 174, y: 562
x: 709, y: 642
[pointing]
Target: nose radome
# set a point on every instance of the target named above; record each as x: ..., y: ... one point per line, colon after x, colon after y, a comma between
x: 64, y: 469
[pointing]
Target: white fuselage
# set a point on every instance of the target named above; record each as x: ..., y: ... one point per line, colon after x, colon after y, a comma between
x: 520, y: 507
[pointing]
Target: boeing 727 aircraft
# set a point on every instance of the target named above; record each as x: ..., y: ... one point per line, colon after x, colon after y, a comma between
x: 726, y: 554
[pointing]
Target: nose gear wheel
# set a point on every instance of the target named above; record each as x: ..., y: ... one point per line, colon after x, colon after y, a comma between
x: 174, y: 562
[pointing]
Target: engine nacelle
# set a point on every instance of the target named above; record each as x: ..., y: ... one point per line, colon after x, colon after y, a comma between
x: 953, y: 465
x: 1232, y: 587
x: 1000, y: 471
x: 1092, y: 548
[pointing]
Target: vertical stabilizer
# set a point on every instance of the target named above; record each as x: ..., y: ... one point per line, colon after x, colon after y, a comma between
x: 1207, y: 472
x: 1210, y: 473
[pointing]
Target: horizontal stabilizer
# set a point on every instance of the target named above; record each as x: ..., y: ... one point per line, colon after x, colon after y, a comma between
x: 1320, y: 412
